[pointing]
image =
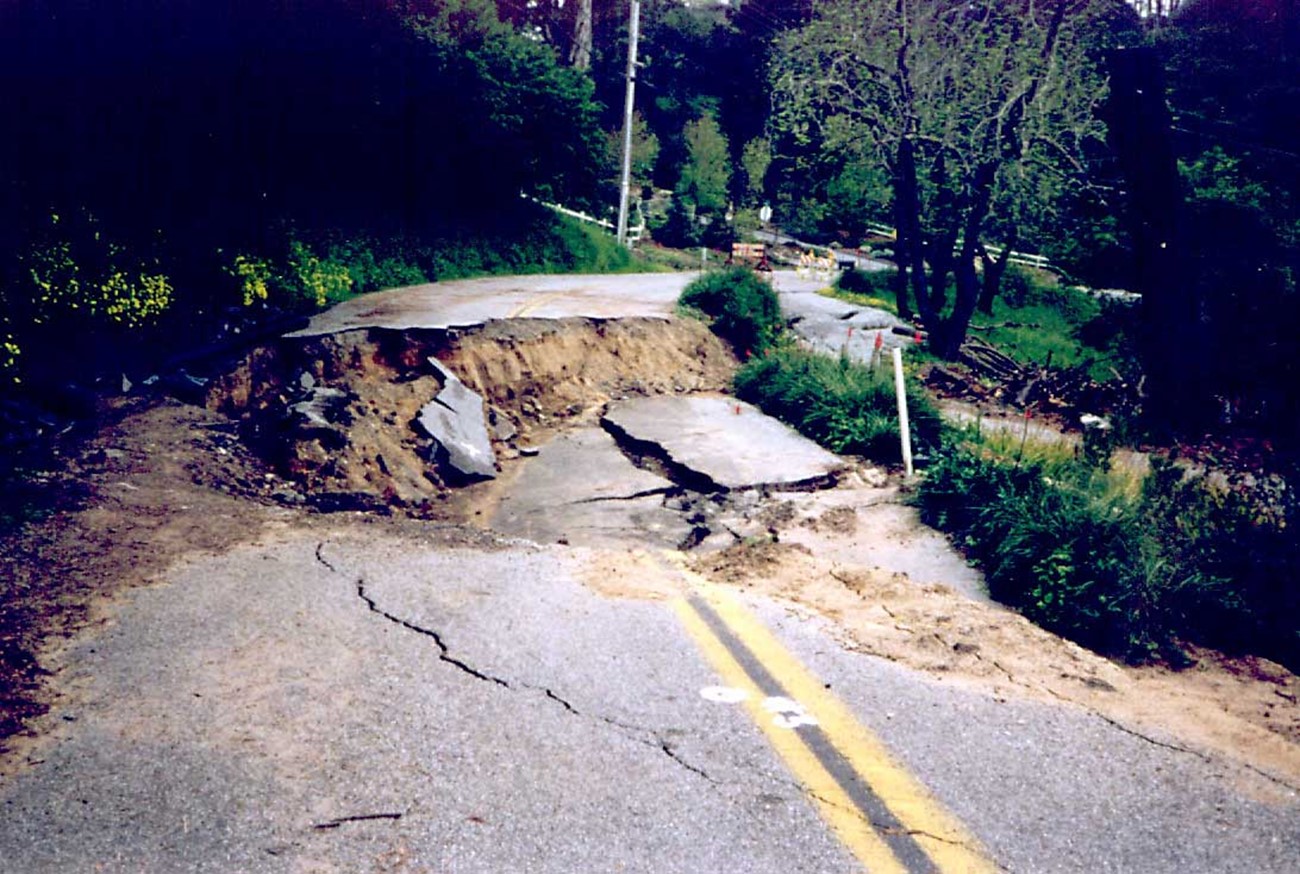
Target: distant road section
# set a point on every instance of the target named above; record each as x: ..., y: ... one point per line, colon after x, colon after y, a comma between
x: 469, y: 302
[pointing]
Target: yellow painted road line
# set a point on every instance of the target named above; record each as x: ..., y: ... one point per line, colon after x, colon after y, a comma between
x: 834, y: 804
x: 941, y: 836
x: 524, y: 309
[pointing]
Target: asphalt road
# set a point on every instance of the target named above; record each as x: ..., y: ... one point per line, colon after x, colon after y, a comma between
x: 356, y: 701
x: 826, y: 324
x: 367, y: 697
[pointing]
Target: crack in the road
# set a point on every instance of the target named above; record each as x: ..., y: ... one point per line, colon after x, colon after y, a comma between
x: 1119, y: 726
x: 665, y: 491
x: 1273, y: 777
x: 320, y: 557
x: 652, y: 456
x: 644, y: 736
x: 444, y: 653
x: 633, y: 733
x: 550, y: 693
x: 362, y: 817
x: 1140, y: 736
x: 672, y: 754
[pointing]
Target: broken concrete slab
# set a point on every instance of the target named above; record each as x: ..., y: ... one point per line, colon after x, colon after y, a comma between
x: 833, y: 326
x: 582, y: 490
x: 456, y: 420
x: 721, y: 443
x: 322, y: 407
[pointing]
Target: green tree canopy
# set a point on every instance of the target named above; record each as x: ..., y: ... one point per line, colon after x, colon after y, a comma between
x: 966, y: 106
x: 706, y: 176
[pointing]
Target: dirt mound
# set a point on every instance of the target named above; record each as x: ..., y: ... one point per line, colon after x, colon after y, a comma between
x: 337, y: 414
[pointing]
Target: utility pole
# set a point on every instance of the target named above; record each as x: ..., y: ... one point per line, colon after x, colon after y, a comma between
x: 633, y: 32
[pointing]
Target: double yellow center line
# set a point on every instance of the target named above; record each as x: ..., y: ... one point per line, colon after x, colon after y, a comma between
x: 875, y: 806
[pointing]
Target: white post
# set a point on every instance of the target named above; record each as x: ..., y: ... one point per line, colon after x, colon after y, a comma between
x: 903, y: 431
x: 625, y: 183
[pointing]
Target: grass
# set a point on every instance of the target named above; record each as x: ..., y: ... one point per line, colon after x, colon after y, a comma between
x: 843, y: 405
x: 1035, y: 320
x: 1128, y: 565
x: 868, y: 288
x: 662, y: 258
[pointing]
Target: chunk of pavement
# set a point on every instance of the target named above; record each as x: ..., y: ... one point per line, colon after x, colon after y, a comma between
x: 321, y: 406
x: 502, y: 427
x: 581, y: 488
x: 455, y: 419
x: 729, y: 442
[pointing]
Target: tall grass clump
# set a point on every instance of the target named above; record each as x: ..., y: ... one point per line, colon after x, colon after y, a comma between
x: 742, y: 309
x: 843, y: 405
x: 1131, y: 572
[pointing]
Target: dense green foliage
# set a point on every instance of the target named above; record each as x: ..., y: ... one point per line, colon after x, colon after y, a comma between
x: 1128, y: 574
x: 163, y: 164
x: 1233, y: 86
x: 743, y: 309
x: 304, y: 275
x: 1037, y: 321
x: 843, y: 405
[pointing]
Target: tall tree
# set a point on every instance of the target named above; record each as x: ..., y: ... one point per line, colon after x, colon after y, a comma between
x: 706, y: 177
x: 966, y: 105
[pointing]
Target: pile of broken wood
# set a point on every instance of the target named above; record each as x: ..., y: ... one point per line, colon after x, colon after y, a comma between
x: 986, y: 374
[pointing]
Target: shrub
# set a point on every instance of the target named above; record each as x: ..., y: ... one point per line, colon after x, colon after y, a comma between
x: 743, y: 309
x: 254, y: 277
x: 78, y: 274
x: 871, y: 283
x: 845, y: 406
x: 1125, y: 574
x: 316, y: 280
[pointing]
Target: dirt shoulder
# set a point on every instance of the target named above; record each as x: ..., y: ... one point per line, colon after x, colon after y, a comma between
x: 160, y: 481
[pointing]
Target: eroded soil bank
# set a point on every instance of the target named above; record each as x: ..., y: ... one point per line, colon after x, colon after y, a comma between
x: 337, y: 414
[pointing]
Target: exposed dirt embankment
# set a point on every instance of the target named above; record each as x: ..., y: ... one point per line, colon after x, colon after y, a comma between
x: 337, y: 414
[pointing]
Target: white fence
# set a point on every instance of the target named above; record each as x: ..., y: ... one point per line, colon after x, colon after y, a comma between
x: 633, y: 233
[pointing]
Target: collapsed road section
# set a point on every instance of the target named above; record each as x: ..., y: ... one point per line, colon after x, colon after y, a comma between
x: 606, y: 429
x: 376, y: 417
x: 678, y: 472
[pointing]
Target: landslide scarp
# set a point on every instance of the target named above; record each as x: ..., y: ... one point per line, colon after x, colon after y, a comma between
x: 338, y: 414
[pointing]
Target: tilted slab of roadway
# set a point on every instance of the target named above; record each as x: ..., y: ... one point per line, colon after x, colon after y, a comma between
x: 724, y: 441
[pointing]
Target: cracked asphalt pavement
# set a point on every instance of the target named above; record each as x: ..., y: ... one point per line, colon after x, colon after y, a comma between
x: 383, y: 704
x: 363, y: 701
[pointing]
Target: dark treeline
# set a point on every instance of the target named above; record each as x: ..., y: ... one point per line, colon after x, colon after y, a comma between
x: 150, y: 143
x: 185, y: 117
x: 194, y: 130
